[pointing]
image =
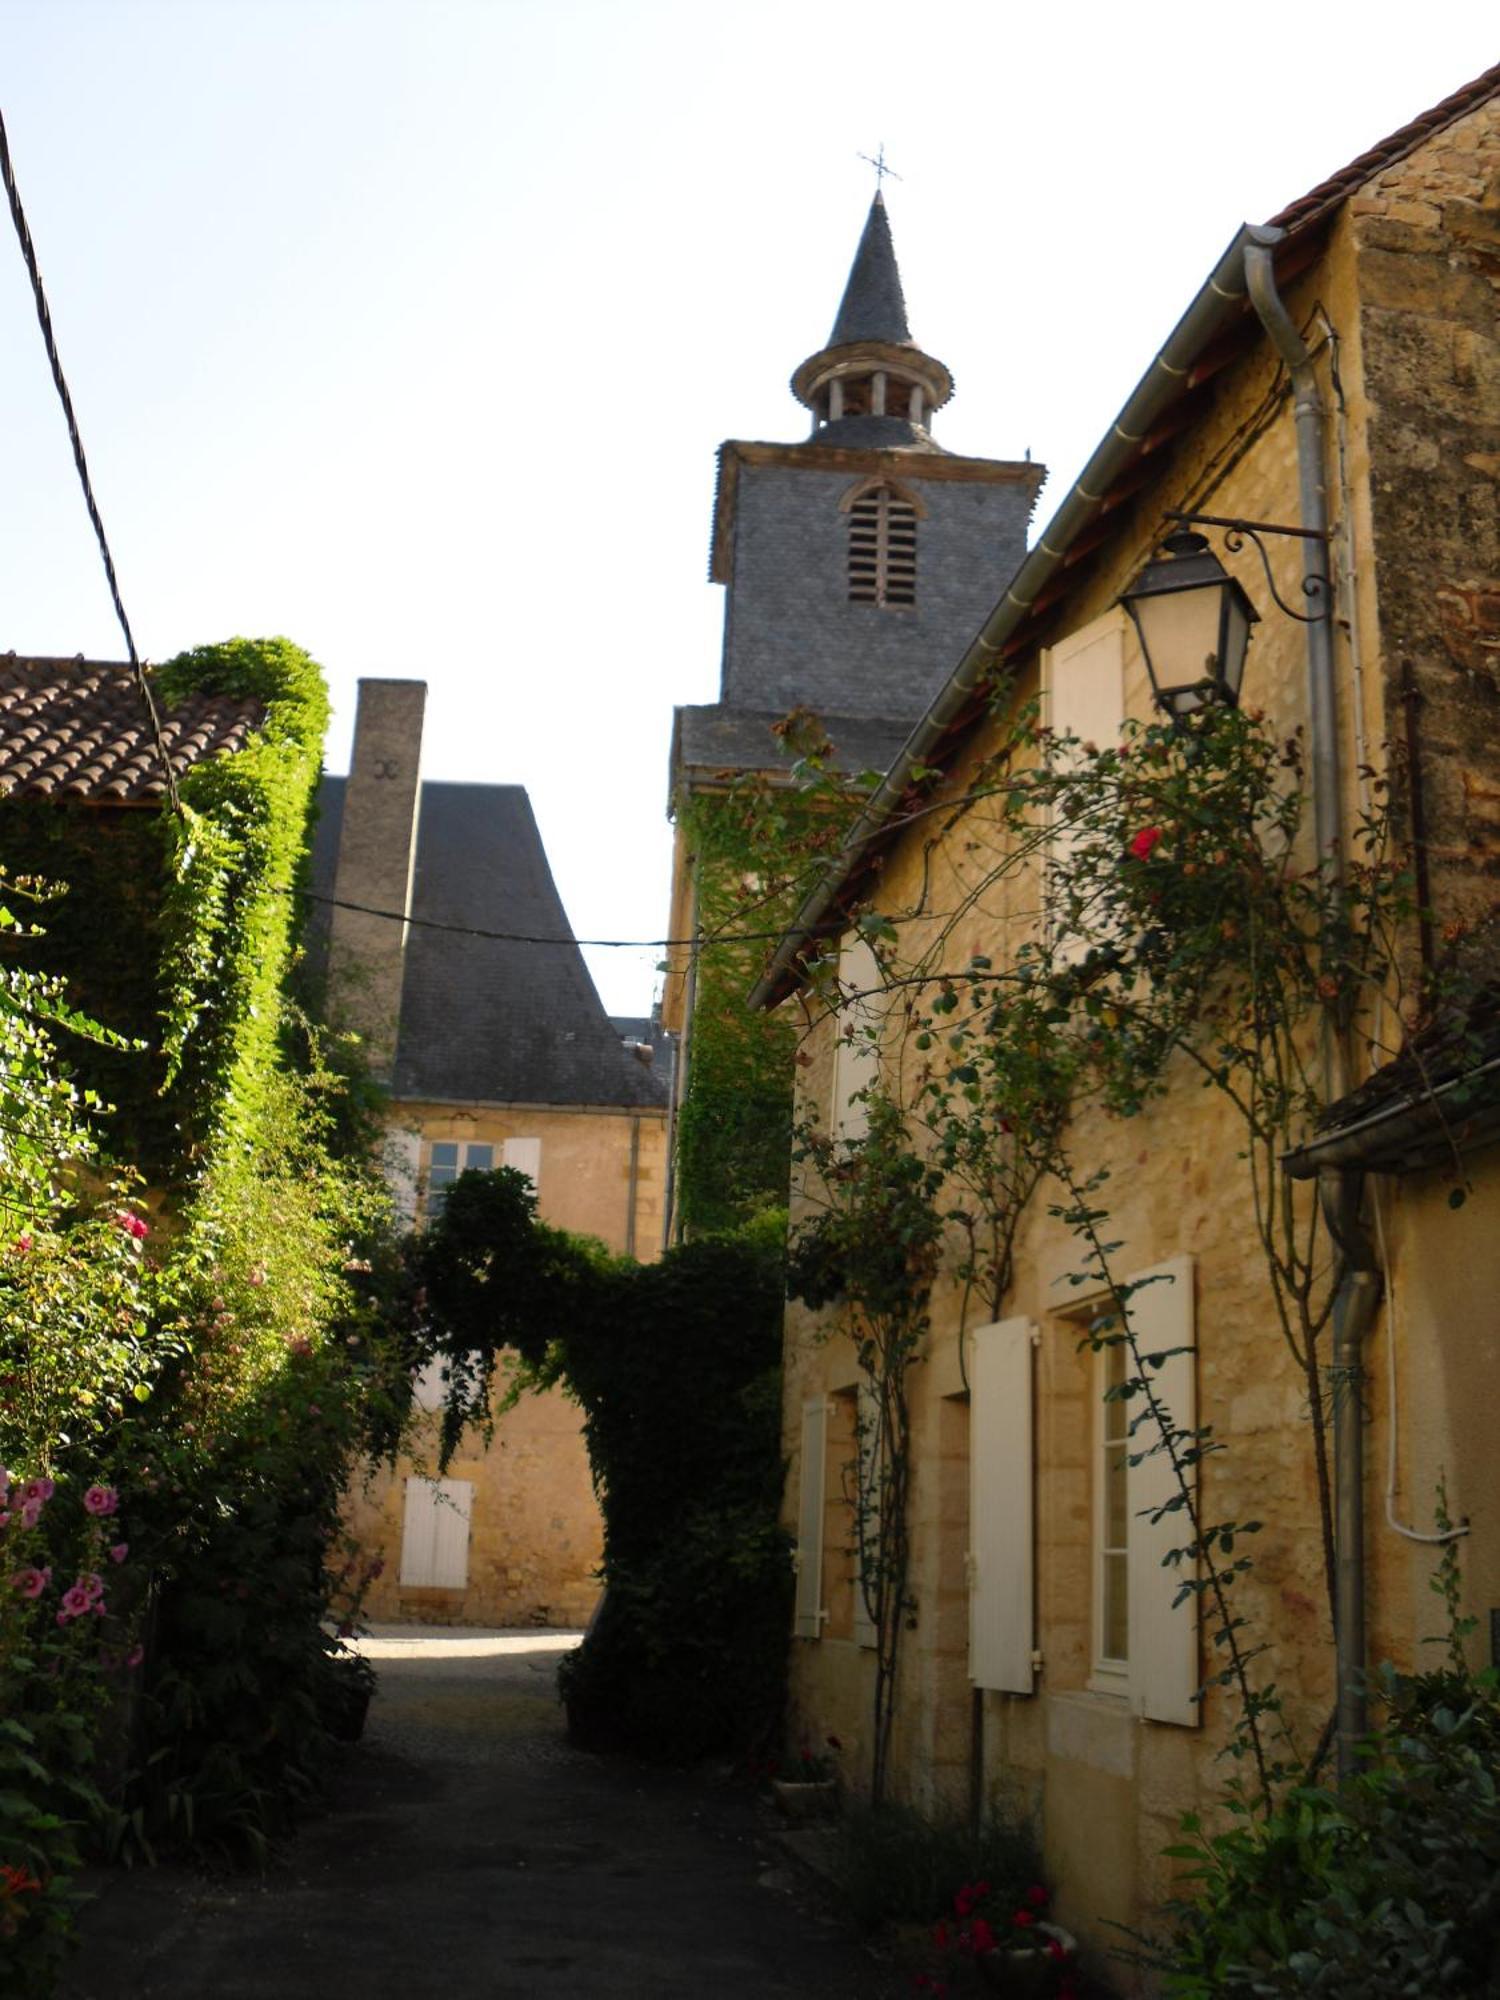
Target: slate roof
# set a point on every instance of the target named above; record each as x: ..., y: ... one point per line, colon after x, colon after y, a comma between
x: 712, y: 738
x: 488, y: 1020
x: 873, y: 306
x: 77, y: 729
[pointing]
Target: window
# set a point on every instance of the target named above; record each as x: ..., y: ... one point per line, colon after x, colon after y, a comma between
x: 1112, y: 1515
x: 837, y: 1443
x: 446, y: 1160
x: 882, y: 548
x: 435, y: 1534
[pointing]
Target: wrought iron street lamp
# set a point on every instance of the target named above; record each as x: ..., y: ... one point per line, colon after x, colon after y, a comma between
x: 1194, y: 622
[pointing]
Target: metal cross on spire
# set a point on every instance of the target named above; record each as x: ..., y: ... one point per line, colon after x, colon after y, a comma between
x: 881, y: 169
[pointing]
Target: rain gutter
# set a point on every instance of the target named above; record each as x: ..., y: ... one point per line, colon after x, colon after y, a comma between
x: 1218, y: 303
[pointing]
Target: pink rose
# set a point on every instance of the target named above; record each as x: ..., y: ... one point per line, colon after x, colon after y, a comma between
x: 132, y: 1224
x: 100, y: 1500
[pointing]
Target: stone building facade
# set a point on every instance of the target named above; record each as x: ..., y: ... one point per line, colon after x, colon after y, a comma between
x: 497, y: 1052
x: 1012, y: 1685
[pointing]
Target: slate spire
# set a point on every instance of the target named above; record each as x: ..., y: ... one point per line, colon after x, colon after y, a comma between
x: 873, y: 306
x: 872, y: 384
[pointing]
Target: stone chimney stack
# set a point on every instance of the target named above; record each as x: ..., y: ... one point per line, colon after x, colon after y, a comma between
x: 377, y: 854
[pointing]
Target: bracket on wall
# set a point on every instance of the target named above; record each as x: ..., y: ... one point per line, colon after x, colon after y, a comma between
x: 1317, y: 588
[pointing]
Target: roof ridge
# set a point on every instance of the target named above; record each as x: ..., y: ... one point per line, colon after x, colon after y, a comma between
x: 1387, y: 152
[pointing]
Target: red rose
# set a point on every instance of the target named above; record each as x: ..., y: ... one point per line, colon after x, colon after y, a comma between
x: 1037, y: 1897
x: 1141, y: 846
x: 1023, y: 1918
x: 981, y: 1936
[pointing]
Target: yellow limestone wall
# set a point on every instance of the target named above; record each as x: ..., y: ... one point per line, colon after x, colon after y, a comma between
x: 1107, y: 1788
x: 536, y: 1537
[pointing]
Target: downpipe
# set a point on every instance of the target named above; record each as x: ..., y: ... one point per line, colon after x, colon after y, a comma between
x: 1340, y: 1189
x: 1341, y: 1192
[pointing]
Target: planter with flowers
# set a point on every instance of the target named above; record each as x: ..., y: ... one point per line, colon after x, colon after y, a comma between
x: 1014, y: 1949
x: 809, y: 1790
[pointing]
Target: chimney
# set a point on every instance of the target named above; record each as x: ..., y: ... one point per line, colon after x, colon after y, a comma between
x: 377, y: 854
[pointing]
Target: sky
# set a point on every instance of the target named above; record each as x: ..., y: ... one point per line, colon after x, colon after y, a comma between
x: 410, y: 328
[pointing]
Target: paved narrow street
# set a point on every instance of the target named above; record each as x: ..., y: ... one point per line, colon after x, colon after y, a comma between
x: 472, y: 1852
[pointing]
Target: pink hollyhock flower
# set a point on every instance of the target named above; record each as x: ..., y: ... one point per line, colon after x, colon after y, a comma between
x: 93, y: 1584
x: 76, y: 1600
x: 31, y: 1513
x: 134, y: 1657
x: 119, y: 1552
x: 1141, y: 846
x: 132, y: 1224
x: 31, y: 1581
x: 100, y: 1500
x: 38, y: 1489
x: 63, y: 1617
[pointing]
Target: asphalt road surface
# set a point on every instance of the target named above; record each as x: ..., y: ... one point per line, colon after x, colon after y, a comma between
x: 471, y: 1854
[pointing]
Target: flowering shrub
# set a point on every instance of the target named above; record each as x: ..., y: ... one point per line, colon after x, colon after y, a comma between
x: 184, y: 1381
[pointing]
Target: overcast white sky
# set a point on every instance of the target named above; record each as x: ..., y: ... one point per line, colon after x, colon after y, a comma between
x: 409, y: 328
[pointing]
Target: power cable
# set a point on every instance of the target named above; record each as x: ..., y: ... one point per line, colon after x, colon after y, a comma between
x: 44, y: 320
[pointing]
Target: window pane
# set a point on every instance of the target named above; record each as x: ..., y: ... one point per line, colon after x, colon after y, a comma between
x: 480, y: 1158
x: 1116, y: 1514
x: 445, y: 1154
x: 1116, y: 1645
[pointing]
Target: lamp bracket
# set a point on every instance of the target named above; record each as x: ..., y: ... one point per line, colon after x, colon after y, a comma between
x: 1315, y: 585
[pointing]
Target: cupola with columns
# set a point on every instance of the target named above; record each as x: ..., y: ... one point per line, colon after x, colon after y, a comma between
x: 872, y: 384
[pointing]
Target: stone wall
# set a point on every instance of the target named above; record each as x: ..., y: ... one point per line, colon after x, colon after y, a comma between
x: 790, y: 633
x: 1428, y: 239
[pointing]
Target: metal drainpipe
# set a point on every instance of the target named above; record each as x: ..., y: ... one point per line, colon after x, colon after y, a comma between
x: 1340, y: 1190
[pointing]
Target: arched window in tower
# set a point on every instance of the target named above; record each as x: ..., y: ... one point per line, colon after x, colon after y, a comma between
x: 882, y: 548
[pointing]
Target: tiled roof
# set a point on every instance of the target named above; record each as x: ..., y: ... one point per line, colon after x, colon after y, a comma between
x: 1338, y: 187
x: 77, y: 729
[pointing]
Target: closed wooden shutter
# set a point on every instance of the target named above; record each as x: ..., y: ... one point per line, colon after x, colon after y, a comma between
x: 856, y: 1063
x: 1164, y: 1665
x: 525, y: 1155
x: 1001, y: 1504
x: 435, y: 1535
x: 865, y: 1630
x: 808, y: 1620
x: 403, y: 1164
x: 1083, y: 695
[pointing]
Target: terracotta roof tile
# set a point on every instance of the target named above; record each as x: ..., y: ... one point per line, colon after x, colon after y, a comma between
x: 75, y: 729
x: 1338, y: 187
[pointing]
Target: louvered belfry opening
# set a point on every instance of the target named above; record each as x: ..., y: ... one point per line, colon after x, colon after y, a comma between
x: 882, y: 549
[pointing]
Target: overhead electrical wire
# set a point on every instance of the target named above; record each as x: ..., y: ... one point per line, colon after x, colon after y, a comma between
x: 44, y: 320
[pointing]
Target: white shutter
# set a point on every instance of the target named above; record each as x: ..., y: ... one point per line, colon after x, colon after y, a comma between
x: 1164, y: 1672
x: 865, y: 1631
x: 435, y: 1537
x: 402, y: 1162
x: 525, y: 1155
x: 1083, y: 691
x: 808, y: 1621
x: 856, y: 1063
x: 1001, y: 1487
